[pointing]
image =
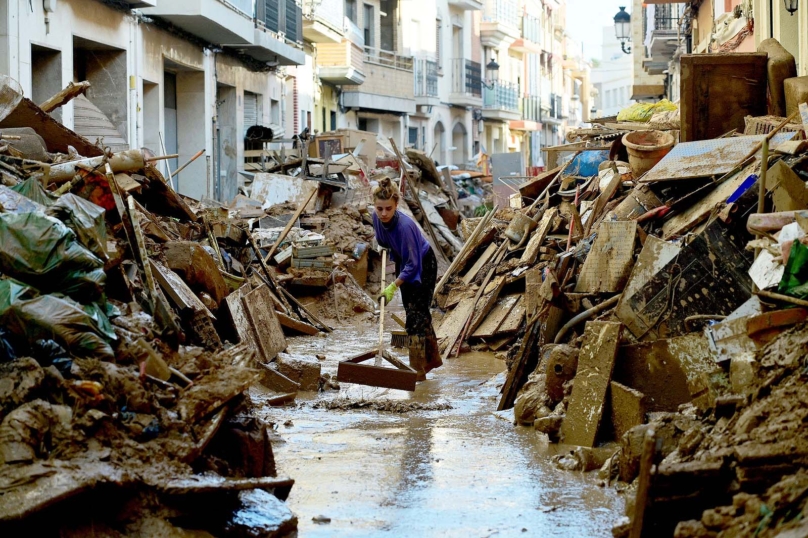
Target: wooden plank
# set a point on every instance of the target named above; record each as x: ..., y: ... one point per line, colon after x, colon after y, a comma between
x: 65, y: 95
x: 263, y: 319
x: 588, y: 399
x: 239, y: 316
x: 455, y: 320
x: 609, y: 263
x: 532, y: 287
x: 176, y: 289
x: 484, y: 258
x: 643, y: 483
x: 295, y: 325
x: 538, y: 237
x: 486, y: 303
x: 401, y: 377
x: 698, y: 212
x: 514, y: 320
x: 494, y: 319
x: 127, y: 184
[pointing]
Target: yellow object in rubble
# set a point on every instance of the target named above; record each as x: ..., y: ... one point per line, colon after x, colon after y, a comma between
x: 642, y: 112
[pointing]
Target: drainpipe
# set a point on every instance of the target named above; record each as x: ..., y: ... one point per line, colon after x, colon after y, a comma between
x: 133, y: 95
x: 217, y: 140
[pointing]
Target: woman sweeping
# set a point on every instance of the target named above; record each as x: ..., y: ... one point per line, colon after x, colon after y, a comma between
x: 417, y: 271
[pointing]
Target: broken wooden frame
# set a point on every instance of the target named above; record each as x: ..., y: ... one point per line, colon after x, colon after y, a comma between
x: 351, y: 370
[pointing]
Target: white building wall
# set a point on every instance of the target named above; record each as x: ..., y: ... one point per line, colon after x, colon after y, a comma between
x: 614, y: 76
x: 140, y: 111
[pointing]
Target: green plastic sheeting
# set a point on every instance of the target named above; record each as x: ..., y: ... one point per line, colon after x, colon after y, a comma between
x: 33, y: 189
x: 31, y: 317
x: 795, y: 277
x: 42, y: 252
x: 85, y: 219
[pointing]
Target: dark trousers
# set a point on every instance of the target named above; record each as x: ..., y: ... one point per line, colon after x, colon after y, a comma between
x: 418, y: 297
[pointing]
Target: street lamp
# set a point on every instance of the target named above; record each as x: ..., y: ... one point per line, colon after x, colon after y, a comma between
x: 791, y: 6
x: 622, y: 28
x: 491, y: 70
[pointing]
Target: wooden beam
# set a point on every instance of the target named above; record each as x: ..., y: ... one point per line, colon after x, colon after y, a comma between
x: 65, y: 95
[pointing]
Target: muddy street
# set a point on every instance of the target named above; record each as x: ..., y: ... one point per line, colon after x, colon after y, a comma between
x: 451, y: 466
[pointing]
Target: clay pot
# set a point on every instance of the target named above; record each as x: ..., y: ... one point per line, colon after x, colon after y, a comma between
x: 646, y: 149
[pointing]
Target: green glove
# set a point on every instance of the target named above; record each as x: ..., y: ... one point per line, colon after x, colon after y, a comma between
x: 388, y: 293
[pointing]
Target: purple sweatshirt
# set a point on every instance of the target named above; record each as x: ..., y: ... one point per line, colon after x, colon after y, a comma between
x: 405, y: 240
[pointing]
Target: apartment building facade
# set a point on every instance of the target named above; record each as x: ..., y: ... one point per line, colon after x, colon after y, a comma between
x: 662, y: 31
x: 179, y: 76
x: 173, y: 77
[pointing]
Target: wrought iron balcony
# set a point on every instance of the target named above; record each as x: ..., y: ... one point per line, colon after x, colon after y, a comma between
x: 531, y: 29
x: 388, y: 58
x: 501, y: 95
x: 467, y: 77
x: 530, y: 107
x: 505, y: 11
x: 425, y: 78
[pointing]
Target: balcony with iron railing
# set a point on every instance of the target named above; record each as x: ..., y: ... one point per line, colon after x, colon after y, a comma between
x: 664, y: 39
x: 530, y: 39
x: 530, y: 114
x: 467, y: 85
x: 425, y: 78
x: 389, y: 83
x: 531, y: 29
x: 530, y: 108
x: 500, y: 22
x: 501, y: 101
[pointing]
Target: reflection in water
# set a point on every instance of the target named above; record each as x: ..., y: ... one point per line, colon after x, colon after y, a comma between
x: 458, y: 472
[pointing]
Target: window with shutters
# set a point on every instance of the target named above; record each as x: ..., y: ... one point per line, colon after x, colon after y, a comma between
x: 294, y: 21
x: 252, y: 110
x: 281, y: 16
x: 268, y: 12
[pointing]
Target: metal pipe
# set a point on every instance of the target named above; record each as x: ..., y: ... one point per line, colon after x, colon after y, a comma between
x: 586, y: 314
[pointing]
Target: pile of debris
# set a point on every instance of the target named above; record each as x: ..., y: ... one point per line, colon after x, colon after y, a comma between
x: 132, y: 326
x: 134, y: 319
x: 632, y: 293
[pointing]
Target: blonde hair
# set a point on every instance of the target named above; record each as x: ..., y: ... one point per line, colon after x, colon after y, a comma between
x: 386, y: 190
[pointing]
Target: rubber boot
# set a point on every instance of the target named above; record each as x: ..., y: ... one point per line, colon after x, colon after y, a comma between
x: 417, y: 348
x: 433, y: 359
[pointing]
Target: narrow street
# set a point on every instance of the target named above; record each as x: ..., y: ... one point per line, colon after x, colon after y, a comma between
x: 461, y: 471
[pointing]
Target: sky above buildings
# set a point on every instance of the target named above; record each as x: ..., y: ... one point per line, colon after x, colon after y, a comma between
x: 586, y: 19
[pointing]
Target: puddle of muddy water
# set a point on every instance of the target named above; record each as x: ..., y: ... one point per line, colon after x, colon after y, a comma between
x: 460, y: 472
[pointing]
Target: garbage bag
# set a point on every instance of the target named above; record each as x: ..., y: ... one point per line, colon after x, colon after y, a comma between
x: 85, y: 219
x: 642, y: 112
x: 50, y: 353
x: 795, y: 276
x: 99, y: 316
x: 33, y: 190
x: 42, y: 252
x: 30, y: 316
x: 15, y: 202
x: 7, y: 352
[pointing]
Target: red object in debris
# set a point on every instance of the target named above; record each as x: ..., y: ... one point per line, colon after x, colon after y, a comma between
x: 655, y: 213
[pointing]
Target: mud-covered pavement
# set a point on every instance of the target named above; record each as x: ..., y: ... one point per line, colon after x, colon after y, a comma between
x: 461, y: 471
